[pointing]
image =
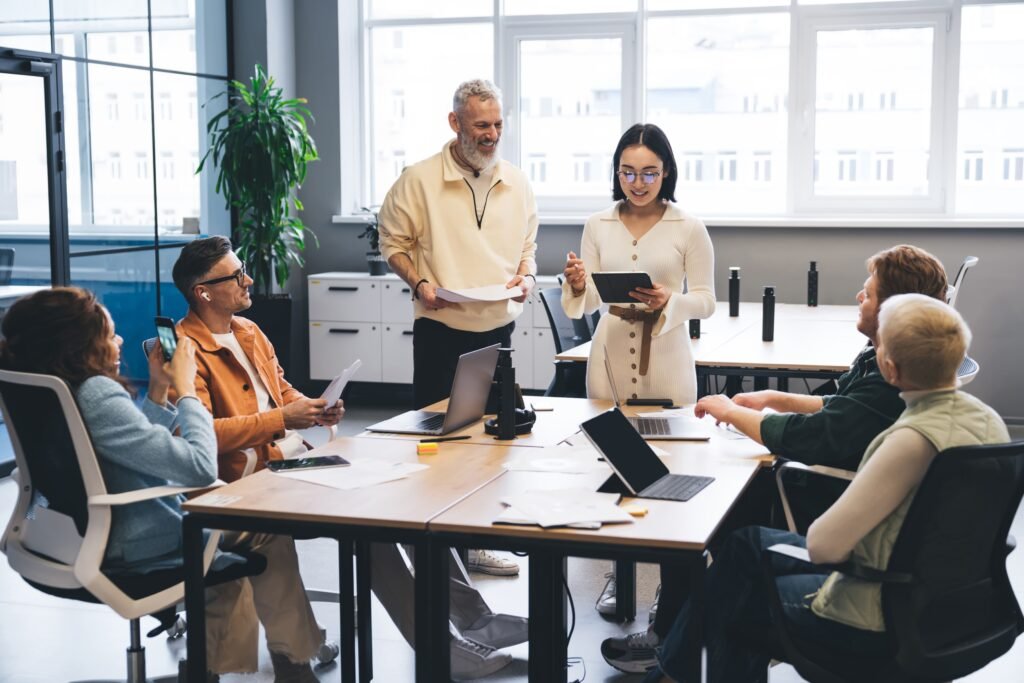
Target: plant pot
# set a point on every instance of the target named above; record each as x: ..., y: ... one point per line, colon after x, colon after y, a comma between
x: 273, y: 314
x: 376, y: 264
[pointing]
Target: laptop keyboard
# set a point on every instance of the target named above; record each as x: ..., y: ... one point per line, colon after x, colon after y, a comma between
x: 651, y: 426
x: 432, y: 422
x: 676, y: 487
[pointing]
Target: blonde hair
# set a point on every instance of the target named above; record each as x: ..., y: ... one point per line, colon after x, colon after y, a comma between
x: 926, y: 338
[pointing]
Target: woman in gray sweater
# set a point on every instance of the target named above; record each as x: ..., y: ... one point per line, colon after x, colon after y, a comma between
x: 66, y: 332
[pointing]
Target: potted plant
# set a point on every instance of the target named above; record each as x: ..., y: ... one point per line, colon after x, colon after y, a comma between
x: 260, y: 145
x: 374, y: 260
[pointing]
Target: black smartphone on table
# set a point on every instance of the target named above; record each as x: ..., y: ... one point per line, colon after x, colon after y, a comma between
x: 311, y: 463
x: 167, y: 336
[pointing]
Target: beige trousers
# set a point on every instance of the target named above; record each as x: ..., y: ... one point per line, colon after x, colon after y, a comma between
x: 393, y: 583
x: 276, y: 598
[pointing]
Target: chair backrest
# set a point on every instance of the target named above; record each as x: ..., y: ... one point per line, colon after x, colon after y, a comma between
x: 968, y: 370
x: 6, y: 265
x: 566, y: 332
x: 953, y: 290
x: 960, y: 612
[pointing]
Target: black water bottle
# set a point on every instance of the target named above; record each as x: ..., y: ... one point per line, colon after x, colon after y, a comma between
x: 506, y: 396
x: 812, y: 284
x: 768, y: 314
x: 695, y: 328
x: 734, y: 291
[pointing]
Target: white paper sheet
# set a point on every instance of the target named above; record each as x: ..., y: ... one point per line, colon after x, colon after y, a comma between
x: 361, y: 474
x: 486, y: 293
x: 567, y: 506
x: 333, y: 391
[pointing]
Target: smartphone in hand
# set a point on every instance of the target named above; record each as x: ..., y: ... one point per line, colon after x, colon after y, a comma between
x: 167, y: 336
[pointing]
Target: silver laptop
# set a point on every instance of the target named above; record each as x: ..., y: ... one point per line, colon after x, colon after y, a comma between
x: 473, y: 376
x: 658, y: 428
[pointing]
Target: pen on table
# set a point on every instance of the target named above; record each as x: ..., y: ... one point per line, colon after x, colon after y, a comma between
x: 445, y: 438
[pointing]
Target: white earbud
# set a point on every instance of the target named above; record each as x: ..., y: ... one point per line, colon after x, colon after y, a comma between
x: 205, y: 295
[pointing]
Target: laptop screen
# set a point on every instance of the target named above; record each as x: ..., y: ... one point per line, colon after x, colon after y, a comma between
x: 624, y: 449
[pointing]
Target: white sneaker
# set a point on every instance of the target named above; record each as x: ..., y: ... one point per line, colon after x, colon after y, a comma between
x: 470, y: 660
x: 606, y: 601
x: 633, y: 654
x: 486, y: 562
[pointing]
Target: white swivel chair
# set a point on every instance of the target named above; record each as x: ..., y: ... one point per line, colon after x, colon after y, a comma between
x: 953, y: 290
x: 58, y: 532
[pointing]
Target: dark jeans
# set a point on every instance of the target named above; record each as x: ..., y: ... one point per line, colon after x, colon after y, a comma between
x: 435, y: 355
x: 754, y: 508
x: 734, y: 593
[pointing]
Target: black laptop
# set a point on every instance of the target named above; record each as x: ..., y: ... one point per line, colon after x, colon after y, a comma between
x: 636, y: 465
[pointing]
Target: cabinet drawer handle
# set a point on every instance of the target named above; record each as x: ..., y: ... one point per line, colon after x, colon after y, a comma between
x: 406, y: 333
x: 335, y: 330
x: 405, y: 290
x: 342, y: 289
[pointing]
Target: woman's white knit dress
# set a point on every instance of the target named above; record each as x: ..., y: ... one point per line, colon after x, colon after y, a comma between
x: 676, y: 250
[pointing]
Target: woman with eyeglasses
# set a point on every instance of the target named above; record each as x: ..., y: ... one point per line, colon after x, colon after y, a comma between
x: 647, y: 340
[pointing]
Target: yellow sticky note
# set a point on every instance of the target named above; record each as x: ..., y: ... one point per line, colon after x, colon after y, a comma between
x: 635, y: 510
x: 426, y: 448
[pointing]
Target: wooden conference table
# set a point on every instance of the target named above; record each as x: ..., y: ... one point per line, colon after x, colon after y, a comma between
x: 453, y: 503
x: 810, y: 342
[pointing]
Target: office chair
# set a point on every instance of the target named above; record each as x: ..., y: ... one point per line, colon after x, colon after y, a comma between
x: 57, y: 535
x: 953, y: 290
x: 6, y: 265
x: 570, y: 377
x: 948, y: 604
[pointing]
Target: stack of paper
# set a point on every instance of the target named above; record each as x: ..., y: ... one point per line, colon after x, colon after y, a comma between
x: 361, y: 474
x: 563, y: 507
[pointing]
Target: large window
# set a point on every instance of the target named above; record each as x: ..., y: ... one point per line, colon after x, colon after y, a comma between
x: 136, y: 77
x: 775, y: 108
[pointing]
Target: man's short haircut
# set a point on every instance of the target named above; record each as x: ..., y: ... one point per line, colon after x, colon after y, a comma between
x: 653, y: 138
x: 927, y: 339
x: 196, y: 260
x: 905, y: 269
x: 478, y: 87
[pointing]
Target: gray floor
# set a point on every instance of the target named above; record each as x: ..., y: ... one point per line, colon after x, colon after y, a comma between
x: 45, y: 639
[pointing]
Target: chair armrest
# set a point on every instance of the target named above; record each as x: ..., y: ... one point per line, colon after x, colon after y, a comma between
x: 147, y: 494
x: 847, y: 568
x: 820, y: 470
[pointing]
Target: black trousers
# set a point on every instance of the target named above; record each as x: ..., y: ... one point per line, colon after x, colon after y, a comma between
x: 436, y: 351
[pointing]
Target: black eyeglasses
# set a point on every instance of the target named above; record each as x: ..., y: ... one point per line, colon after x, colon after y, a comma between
x: 238, y: 276
x: 649, y: 177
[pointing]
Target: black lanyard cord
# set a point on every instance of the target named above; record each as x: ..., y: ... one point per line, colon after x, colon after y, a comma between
x: 480, y: 216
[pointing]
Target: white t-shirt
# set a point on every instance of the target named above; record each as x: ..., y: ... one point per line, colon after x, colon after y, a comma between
x: 480, y: 185
x: 291, y: 445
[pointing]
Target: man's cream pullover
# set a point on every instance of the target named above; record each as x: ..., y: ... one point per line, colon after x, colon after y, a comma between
x: 428, y: 215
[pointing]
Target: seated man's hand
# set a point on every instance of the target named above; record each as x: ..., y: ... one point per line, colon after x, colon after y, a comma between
x: 524, y: 283
x: 717, y: 406
x: 332, y: 416
x: 303, y: 413
x: 755, y: 400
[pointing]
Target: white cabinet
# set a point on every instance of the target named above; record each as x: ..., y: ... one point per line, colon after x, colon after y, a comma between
x: 354, y: 315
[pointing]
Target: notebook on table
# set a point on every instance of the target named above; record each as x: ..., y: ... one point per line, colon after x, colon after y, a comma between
x: 658, y: 428
x: 473, y: 376
x: 636, y: 466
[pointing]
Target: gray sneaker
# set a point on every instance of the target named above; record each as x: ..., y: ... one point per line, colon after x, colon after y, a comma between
x: 633, y: 654
x: 470, y: 660
x: 606, y: 601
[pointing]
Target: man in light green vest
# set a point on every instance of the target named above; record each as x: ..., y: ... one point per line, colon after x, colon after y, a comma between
x: 921, y: 342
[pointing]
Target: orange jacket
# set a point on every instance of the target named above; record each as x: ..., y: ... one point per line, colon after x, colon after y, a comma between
x: 222, y: 384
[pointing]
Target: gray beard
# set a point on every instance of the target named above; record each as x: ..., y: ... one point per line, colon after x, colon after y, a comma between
x: 477, y: 160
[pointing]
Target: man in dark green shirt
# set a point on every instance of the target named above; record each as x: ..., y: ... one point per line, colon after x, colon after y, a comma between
x: 835, y: 430
x: 832, y: 430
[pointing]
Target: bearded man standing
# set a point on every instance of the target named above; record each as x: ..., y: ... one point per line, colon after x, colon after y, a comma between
x: 461, y: 218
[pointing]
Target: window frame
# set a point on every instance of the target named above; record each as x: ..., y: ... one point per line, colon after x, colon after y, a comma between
x: 937, y: 207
